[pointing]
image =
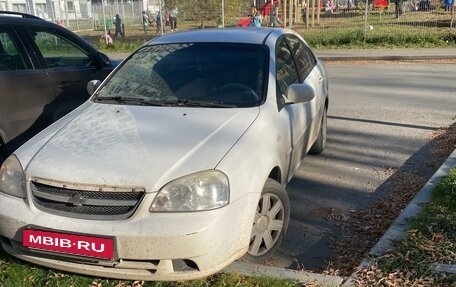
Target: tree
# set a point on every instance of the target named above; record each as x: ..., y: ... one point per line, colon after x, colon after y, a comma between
x: 208, y: 10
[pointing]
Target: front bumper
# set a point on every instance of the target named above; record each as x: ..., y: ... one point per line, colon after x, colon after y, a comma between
x: 148, y: 246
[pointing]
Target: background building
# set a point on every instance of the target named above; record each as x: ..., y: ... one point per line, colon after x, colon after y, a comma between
x: 50, y: 9
x: 82, y: 14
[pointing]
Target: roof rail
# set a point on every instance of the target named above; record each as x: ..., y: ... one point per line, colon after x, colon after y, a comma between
x: 23, y: 15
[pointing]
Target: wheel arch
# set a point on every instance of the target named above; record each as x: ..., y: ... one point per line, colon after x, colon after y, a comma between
x: 276, y: 174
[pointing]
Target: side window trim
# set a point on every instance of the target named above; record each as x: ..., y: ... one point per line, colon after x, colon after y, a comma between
x: 30, y: 46
x: 79, y: 47
x: 282, y: 45
x: 313, y: 61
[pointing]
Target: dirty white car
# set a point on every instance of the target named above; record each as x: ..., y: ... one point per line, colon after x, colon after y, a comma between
x: 176, y: 166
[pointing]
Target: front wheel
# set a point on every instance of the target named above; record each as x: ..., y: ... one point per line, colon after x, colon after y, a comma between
x: 270, y: 223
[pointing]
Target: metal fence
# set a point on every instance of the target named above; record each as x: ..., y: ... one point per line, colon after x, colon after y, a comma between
x: 419, y: 14
x: 311, y: 15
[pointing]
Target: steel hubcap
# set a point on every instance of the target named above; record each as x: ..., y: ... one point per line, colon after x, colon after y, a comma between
x: 268, y: 224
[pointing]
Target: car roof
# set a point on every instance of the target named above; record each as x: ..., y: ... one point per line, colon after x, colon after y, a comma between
x: 18, y: 17
x: 231, y: 35
x: 18, y: 14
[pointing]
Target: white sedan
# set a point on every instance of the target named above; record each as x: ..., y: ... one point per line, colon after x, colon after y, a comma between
x: 177, y: 164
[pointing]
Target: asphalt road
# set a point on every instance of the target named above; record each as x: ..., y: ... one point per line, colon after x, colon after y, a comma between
x: 380, y: 118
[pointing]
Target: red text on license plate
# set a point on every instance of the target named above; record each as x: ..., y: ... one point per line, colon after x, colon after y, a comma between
x: 89, y: 246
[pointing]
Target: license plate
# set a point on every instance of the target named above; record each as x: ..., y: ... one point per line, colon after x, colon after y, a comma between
x: 82, y: 245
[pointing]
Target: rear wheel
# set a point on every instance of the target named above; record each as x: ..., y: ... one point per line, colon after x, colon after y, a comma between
x: 270, y: 223
x: 319, y: 145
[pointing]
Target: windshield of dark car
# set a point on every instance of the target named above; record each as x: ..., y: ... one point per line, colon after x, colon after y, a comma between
x: 213, y: 74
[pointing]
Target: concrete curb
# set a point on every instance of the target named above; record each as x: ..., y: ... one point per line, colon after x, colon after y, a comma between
x: 282, y: 273
x: 401, y: 224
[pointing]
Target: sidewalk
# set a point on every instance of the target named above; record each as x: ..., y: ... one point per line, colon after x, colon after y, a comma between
x: 387, y: 54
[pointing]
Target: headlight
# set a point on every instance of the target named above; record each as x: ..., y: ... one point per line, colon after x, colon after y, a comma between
x: 195, y: 192
x: 12, y: 180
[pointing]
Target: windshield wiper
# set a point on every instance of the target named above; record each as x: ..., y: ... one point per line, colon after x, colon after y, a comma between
x: 179, y: 102
x: 193, y: 103
x: 127, y: 100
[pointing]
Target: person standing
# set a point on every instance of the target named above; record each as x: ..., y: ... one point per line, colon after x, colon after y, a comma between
x: 276, y: 22
x: 173, y: 18
x: 398, y: 8
x: 145, y: 21
x: 118, y: 26
x: 158, y: 22
x: 255, y: 18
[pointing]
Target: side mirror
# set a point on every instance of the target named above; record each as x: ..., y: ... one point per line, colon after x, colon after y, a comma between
x: 92, y: 86
x: 103, y: 60
x: 299, y: 93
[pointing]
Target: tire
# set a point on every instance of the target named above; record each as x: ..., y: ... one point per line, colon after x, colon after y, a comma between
x: 270, y: 224
x: 319, y: 145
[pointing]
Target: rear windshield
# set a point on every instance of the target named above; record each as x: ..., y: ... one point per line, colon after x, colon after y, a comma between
x: 224, y: 74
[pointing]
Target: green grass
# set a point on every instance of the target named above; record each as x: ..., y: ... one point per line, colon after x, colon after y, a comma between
x: 411, y: 30
x: 349, y: 38
x: 16, y: 273
x: 120, y: 46
x: 431, y: 239
x: 381, y: 37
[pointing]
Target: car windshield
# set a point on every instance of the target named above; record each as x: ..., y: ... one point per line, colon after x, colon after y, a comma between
x: 190, y: 74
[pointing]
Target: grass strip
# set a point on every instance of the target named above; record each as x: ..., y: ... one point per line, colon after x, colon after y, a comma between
x: 430, y: 240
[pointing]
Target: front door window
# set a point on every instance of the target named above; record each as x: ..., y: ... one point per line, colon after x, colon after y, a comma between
x: 59, y: 52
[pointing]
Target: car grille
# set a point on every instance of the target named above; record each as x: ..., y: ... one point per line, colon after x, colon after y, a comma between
x: 89, y: 203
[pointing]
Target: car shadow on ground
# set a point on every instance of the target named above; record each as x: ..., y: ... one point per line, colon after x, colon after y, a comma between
x: 332, y: 228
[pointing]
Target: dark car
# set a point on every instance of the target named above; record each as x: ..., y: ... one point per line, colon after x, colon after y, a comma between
x: 44, y: 70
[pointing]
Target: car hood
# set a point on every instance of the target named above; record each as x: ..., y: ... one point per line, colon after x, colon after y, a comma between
x: 117, y: 145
